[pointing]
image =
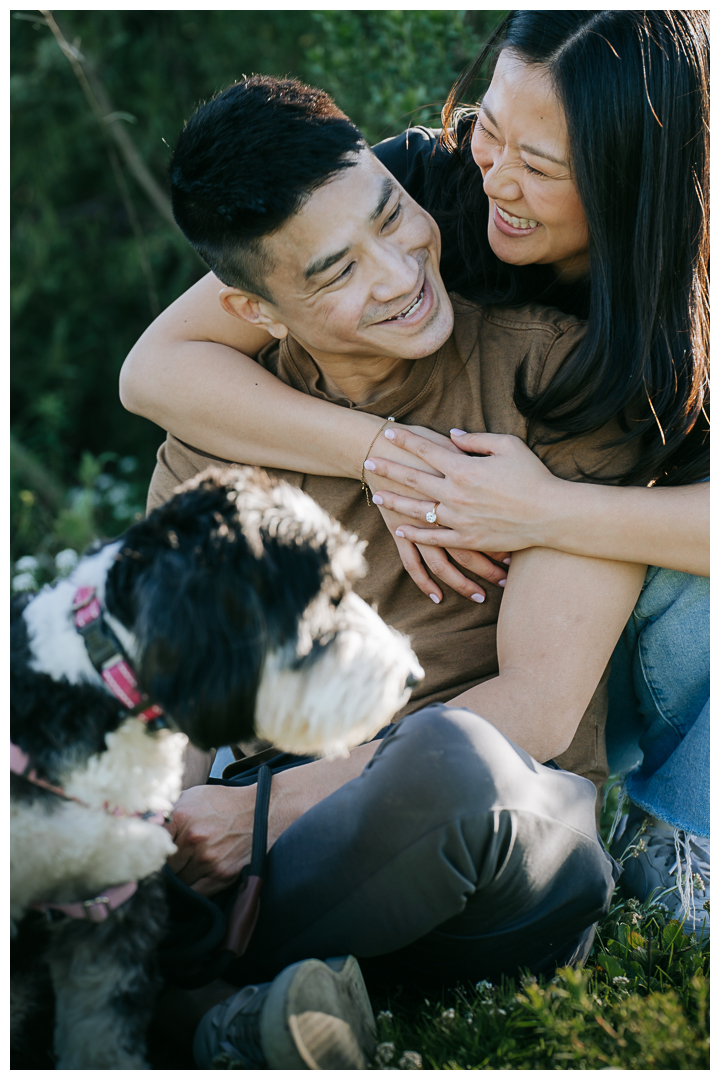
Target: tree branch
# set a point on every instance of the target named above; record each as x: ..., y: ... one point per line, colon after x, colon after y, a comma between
x: 110, y: 120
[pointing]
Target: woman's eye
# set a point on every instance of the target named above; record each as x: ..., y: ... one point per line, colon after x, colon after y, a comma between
x: 484, y: 131
x: 529, y: 168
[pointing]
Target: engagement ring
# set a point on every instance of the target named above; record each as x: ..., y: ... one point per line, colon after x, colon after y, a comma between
x: 431, y: 516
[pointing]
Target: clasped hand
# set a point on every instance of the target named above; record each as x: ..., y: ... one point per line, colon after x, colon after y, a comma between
x: 495, y: 503
x: 420, y: 551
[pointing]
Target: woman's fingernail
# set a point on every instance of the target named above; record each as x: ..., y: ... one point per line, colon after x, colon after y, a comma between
x: 435, y: 599
x: 369, y: 465
x: 477, y: 597
x: 399, y: 532
x: 503, y: 582
x: 389, y: 433
x: 457, y: 431
x: 377, y: 499
x: 507, y: 561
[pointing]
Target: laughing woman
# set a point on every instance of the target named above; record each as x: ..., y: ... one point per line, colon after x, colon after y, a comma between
x: 581, y: 182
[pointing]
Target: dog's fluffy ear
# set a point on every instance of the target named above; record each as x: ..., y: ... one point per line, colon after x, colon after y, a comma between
x: 185, y: 583
x: 202, y: 638
x: 205, y: 601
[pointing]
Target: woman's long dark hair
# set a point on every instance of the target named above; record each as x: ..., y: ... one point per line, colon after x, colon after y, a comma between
x: 635, y: 90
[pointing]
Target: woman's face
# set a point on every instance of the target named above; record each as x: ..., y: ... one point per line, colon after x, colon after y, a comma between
x: 520, y: 145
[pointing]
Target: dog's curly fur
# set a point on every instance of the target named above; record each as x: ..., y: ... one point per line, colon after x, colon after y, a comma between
x: 234, y: 603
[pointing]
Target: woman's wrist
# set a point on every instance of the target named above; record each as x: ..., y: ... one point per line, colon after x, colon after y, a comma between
x: 558, y: 515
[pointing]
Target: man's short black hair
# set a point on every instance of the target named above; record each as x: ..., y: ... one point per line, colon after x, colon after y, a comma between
x: 246, y: 162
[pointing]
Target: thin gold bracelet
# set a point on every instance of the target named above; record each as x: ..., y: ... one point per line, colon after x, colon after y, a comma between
x: 363, y: 481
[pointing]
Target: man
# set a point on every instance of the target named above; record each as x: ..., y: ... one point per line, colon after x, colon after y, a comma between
x: 448, y: 852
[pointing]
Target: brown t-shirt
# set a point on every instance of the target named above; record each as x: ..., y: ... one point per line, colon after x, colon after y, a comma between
x: 468, y: 384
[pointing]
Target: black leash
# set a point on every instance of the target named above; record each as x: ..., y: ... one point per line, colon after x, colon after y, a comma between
x: 208, y: 934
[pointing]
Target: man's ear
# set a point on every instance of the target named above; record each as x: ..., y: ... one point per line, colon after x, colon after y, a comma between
x: 253, y: 310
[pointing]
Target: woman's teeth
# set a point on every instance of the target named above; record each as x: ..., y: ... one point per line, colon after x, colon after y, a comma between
x: 410, y: 308
x: 517, y: 222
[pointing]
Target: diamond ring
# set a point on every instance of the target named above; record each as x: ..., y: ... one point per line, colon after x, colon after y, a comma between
x: 431, y: 516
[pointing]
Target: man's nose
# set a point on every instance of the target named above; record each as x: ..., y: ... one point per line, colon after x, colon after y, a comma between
x: 398, y: 274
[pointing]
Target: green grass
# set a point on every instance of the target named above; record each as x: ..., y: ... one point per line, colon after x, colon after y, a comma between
x: 641, y: 1002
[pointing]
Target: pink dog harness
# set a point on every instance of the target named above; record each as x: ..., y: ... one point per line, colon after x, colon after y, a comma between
x: 120, y: 679
x: 108, y: 659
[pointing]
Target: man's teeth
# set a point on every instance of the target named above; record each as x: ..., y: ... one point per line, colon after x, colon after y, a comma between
x: 517, y: 222
x: 410, y: 308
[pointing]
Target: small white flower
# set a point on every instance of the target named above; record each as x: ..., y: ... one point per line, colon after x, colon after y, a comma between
x: 384, y: 1014
x: 484, y: 985
x: 27, y: 563
x: 448, y: 1015
x: 410, y: 1060
x: 66, y: 560
x: 21, y: 582
x: 384, y: 1053
x: 698, y: 883
x: 620, y: 980
x: 635, y: 919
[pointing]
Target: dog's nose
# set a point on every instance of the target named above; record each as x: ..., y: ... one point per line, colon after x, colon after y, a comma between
x: 414, y: 678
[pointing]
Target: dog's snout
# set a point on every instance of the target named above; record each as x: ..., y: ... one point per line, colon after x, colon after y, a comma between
x: 414, y: 678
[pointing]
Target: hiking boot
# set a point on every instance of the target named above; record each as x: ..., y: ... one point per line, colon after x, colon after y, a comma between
x: 657, y: 857
x: 314, y: 1015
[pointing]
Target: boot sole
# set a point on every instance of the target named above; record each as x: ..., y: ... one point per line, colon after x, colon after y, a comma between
x: 318, y: 1016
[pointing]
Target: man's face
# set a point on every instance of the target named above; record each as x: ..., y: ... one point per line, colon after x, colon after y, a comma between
x: 357, y: 270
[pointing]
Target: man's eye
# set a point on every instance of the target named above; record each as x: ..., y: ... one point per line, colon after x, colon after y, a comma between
x: 341, y: 276
x: 394, y: 216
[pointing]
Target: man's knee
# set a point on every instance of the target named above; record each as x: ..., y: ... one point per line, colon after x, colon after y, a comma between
x: 444, y: 763
x: 444, y: 760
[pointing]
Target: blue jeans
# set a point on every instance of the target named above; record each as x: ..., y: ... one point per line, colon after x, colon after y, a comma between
x: 658, y: 729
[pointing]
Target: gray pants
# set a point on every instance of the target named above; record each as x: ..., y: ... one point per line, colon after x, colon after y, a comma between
x: 453, y: 856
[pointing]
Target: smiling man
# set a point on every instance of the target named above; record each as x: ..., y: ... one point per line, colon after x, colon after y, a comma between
x: 448, y: 852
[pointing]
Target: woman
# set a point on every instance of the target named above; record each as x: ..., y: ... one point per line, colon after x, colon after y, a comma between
x: 607, y: 221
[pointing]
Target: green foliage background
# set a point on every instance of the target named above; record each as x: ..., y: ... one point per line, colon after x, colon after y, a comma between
x: 80, y: 465
x: 79, y: 295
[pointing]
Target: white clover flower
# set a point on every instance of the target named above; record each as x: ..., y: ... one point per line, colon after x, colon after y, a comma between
x: 27, y: 563
x: 22, y: 582
x: 384, y: 1053
x: 620, y: 980
x: 66, y: 560
x: 410, y: 1060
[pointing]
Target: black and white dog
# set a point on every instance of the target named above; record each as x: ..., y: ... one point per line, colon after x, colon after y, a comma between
x: 232, y: 606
